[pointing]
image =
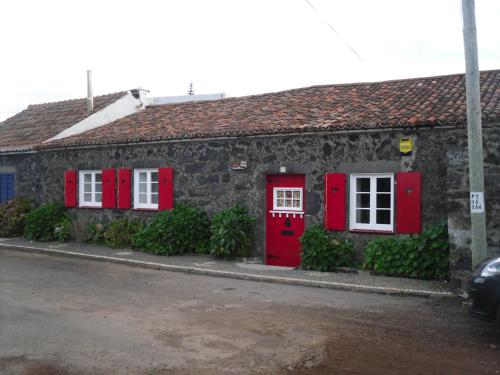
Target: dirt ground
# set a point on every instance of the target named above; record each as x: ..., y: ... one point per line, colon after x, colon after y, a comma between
x: 72, y: 317
x: 393, y: 351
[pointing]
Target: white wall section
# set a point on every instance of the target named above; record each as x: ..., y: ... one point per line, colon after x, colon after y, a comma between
x: 124, y: 106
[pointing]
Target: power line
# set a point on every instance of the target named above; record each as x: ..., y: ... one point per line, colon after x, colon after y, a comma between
x: 335, y: 31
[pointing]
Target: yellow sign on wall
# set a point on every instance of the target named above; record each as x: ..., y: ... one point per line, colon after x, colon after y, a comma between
x: 405, y: 146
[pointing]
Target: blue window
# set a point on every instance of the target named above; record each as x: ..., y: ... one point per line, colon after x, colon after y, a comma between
x: 7, y: 187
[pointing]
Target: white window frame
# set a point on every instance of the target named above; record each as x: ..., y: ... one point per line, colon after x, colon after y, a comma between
x: 287, y: 209
x: 81, y: 189
x: 148, y: 205
x: 372, y: 226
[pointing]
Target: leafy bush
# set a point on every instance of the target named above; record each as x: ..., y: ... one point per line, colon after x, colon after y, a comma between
x: 96, y: 233
x: 185, y: 229
x: 423, y: 256
x: 63, y: 229
x: 42, y: 222
x: 323, y: 251
x: 13, y: 215
x: 119, y: 233
x: 232, y: 233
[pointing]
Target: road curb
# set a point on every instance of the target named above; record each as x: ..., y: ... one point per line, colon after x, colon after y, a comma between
x: 235, y: 275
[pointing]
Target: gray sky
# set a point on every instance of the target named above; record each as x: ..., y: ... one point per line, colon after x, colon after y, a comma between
x: 239, y: 47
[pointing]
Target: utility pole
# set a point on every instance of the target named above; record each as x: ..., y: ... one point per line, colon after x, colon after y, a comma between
x: 475, y: 137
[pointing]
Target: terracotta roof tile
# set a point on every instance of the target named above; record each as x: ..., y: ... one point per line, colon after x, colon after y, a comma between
x: 40, y: 122
x: 416, y: 102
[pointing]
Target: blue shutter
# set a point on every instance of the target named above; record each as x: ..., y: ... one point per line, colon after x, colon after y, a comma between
x: 7, y: 188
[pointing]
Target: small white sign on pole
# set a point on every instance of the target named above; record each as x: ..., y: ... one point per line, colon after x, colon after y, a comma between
x: 477, y: 202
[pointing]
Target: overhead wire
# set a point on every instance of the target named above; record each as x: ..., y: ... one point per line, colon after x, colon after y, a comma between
x: 334, y: 30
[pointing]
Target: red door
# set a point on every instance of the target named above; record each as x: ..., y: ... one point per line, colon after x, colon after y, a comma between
x: 284, y: 218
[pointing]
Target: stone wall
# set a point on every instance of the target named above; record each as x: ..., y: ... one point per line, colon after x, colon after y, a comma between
x: 202, y: 173
x: 457, y: 196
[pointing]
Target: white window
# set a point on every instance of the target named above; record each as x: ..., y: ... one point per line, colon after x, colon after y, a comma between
x: 372, y: 202
x: 146, y: 188
x: 90, y: 189
x: 287, y: 199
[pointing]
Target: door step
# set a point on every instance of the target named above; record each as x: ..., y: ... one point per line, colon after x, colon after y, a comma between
x: 263, y: 267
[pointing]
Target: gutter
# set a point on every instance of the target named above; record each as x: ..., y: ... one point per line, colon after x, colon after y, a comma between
x: 17, y: 152
x: 276, y: 134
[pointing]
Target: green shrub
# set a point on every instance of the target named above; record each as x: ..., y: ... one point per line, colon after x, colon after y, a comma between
x: 42, y: 222
x: 96, y: 233
x: 63, y: 229
x: 119, y: 233
x: 323, y: 251
x: 185, y: 229
x: 232, y: 233
x: 13, y: 215
x: 423, y: 256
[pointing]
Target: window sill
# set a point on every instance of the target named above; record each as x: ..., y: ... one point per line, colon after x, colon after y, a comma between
x: 144, y: 209
x: 371, y: 231
x: 94, y: 207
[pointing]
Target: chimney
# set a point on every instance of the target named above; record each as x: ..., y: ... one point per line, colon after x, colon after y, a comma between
x: 90, y: 96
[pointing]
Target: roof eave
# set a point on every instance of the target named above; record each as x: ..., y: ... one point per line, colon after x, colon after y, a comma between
x: 306, y: 130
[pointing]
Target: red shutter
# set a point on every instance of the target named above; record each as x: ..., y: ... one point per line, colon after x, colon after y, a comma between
x: 70, y: 188
x: 165, y: 189
x: 408, y: 202
x: 335, y: 201
x: 124, y: 188
x: 108, y: 188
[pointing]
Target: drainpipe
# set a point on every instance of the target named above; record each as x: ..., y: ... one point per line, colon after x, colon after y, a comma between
x: 90, y: 96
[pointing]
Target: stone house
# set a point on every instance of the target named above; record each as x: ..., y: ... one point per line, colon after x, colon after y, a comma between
x: 366, y: 159
x: 23, y: 132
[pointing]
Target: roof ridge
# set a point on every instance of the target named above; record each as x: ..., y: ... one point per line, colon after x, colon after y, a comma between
x: 75, y: 99
x: 442, y: 76
x: 353, y: 84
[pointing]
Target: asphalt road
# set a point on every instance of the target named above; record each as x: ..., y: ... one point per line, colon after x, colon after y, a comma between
x: 68, y: 316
